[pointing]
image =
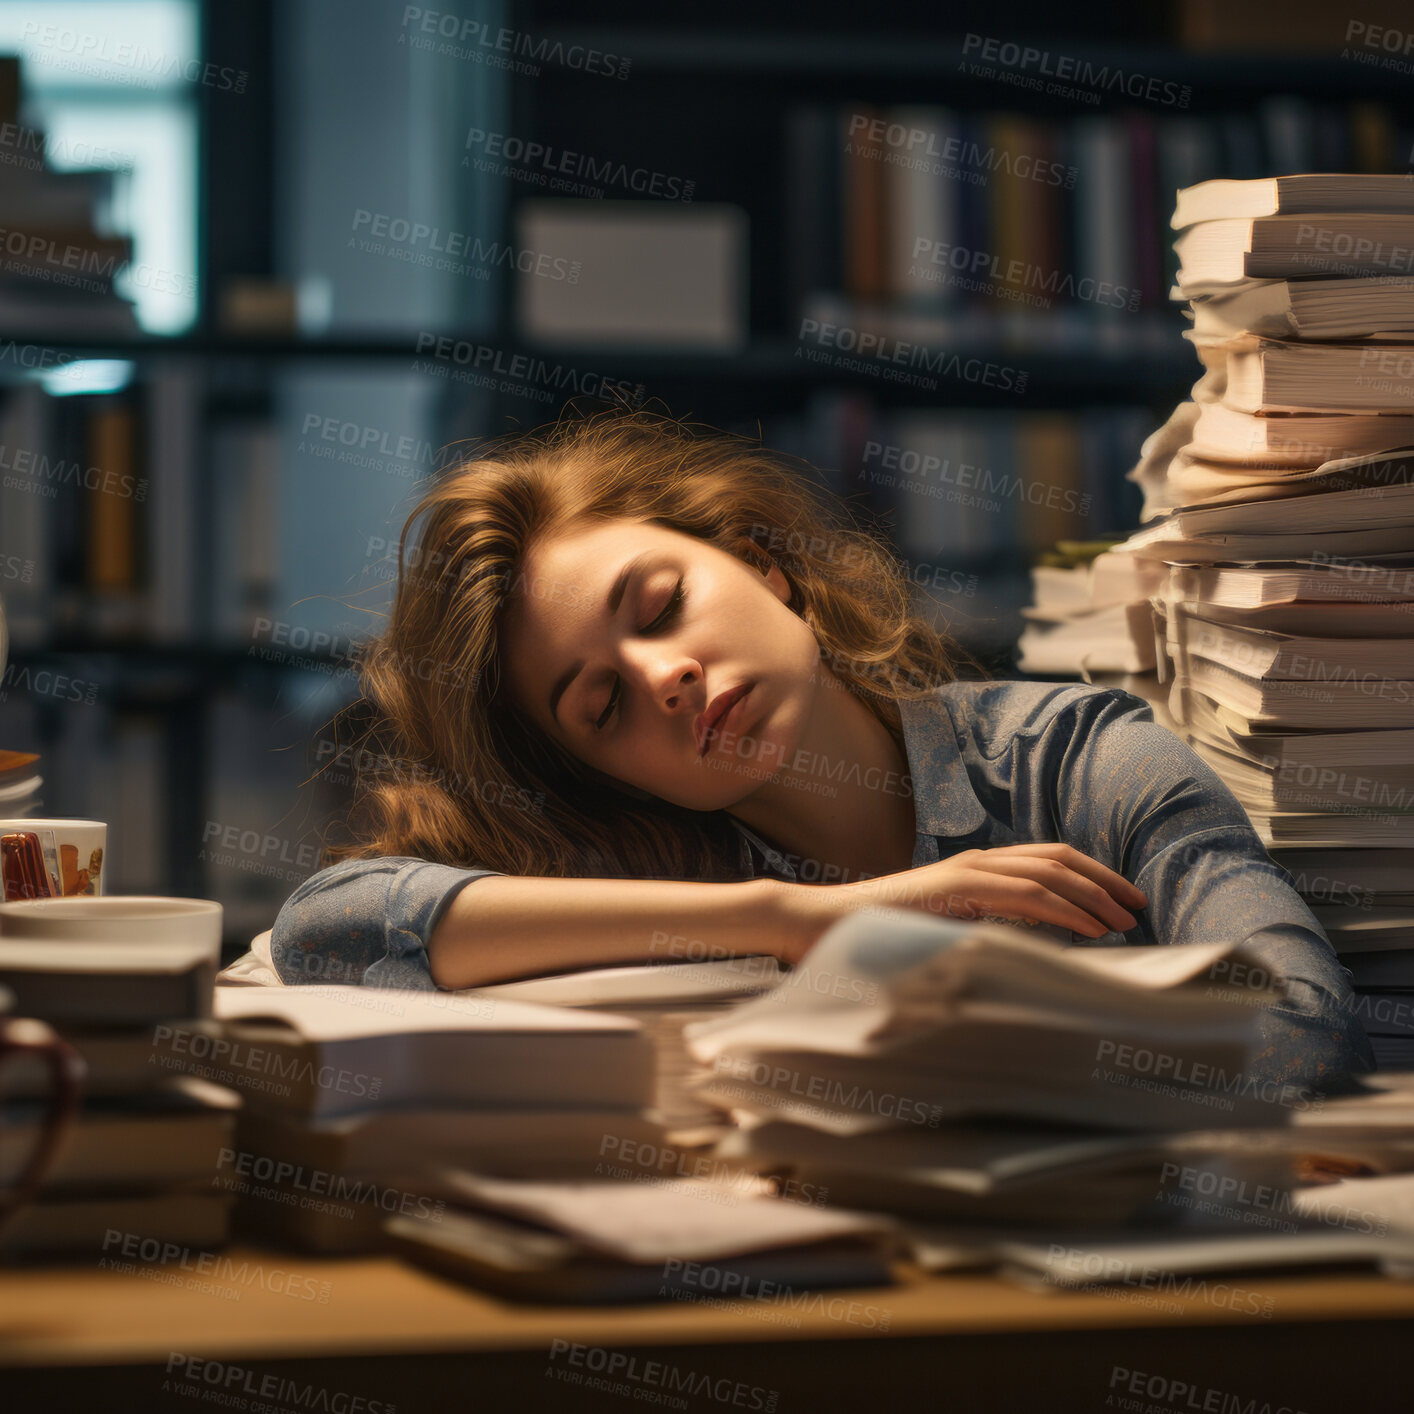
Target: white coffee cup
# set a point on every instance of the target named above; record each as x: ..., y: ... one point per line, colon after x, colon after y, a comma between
x: 81, y: 846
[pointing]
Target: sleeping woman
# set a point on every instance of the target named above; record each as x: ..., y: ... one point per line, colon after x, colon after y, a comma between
x: 645, y: 687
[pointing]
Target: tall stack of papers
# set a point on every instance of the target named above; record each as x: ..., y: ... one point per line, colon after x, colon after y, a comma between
x: 1281, y: 497
x: 138, y: 1161
x: 355, y: 1095
x: 1090, y: 612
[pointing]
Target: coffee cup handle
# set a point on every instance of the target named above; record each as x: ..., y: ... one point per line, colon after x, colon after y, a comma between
x: 66, y: 1073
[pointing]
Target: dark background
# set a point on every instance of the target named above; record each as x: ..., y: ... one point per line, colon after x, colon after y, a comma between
x: 203, y: 712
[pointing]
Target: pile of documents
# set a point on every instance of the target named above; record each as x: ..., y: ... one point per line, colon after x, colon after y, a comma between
x: 356, y: 1095
x: 1005, y: 1098
x: 135, y: 1167
x: 1090, y: 612
x: 711, y: 1241
x: 1280, y: 500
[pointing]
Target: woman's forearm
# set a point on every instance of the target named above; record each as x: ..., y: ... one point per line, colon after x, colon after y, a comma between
x: 507, y: 926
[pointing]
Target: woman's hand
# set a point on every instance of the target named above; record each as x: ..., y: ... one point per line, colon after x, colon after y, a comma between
x: 1030, y: 883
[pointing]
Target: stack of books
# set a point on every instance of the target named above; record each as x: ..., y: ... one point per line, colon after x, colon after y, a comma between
x: 136, y: 1165
x: 1281, y: 496
x: 1090, y: 612
x: 61, y: 255
x: 357, y: 1096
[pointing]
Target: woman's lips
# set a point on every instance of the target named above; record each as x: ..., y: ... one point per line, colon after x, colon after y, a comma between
x: 728, y: 721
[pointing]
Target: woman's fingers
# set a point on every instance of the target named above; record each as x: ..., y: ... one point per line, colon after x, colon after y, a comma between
x: 1069, y: 883
x: 1116, y: 885
x: 977, y: 892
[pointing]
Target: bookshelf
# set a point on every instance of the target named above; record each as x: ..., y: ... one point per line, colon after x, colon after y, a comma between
x: 168, y: 640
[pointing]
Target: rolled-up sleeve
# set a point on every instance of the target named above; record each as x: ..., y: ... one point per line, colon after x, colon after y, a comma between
x: 1129, y: 793
x: 366, y: 921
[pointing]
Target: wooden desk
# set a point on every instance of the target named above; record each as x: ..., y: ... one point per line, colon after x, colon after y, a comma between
x: 391, y: 1335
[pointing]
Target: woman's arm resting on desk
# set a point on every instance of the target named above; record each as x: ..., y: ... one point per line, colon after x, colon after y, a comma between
x: 403, y: 922
x: 511, y: 926
x: 1134, y: 796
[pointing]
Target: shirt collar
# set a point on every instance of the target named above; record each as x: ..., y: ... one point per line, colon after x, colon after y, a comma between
x: 944, y: 804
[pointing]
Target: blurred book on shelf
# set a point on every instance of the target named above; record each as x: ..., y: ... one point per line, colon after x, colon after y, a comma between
x: 101, y: 513
x: 1035, y: 221
x: 1251, y: 26
x: 643, y: 274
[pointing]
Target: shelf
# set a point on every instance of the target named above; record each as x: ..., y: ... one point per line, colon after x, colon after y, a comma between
x: 224, y: 346
x: 768, y: 56
x: 1124, y: 372
x: 204, y: 657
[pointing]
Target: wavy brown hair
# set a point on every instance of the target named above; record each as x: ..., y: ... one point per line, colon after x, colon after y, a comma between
x: 450, y: 770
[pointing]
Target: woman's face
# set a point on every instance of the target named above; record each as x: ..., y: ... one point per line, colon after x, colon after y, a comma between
x: 625, y: 640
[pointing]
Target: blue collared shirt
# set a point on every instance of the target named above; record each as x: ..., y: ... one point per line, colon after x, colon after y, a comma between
x: 990, y: 764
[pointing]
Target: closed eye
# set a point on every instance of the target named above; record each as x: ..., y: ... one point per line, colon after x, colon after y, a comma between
x: 668, y: 616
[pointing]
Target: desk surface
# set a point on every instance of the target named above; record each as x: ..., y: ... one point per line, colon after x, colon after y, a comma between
x: 260, y: 1304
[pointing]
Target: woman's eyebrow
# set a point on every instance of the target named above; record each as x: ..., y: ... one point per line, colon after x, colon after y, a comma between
x: 611, y: 603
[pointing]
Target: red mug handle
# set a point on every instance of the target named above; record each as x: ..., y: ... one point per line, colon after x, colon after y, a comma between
x: 66, y: 1073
